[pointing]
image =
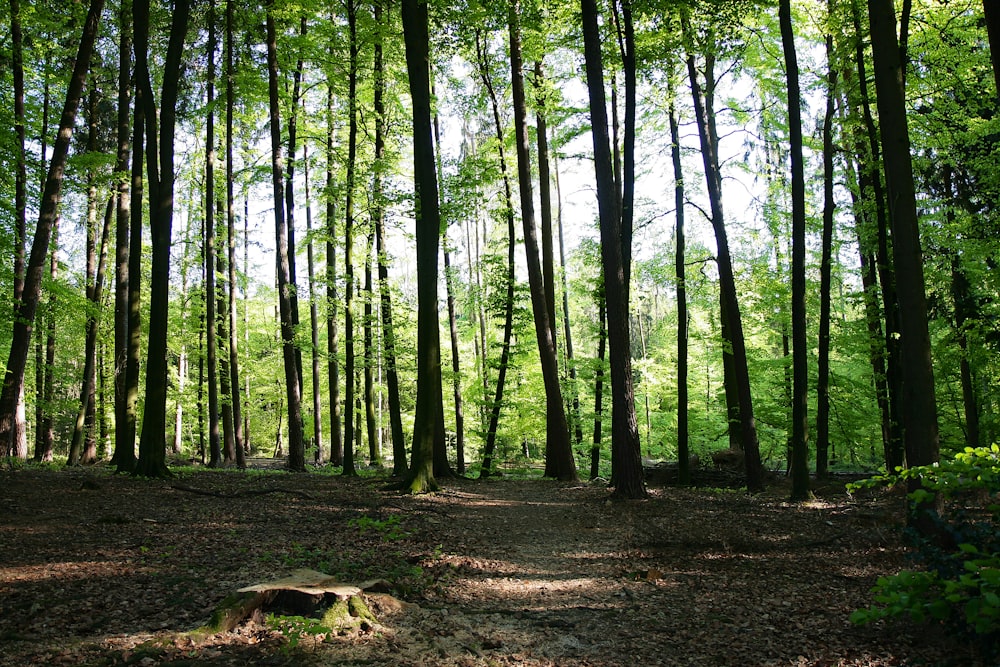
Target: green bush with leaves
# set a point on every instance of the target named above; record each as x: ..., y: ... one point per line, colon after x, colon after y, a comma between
x: 959, y: 584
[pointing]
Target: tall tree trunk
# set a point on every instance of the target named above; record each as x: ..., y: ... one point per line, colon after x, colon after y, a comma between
x: 683, y: 445
x: 293, y: 290
x: 919, y: 405
x: 83, y: 448
x: 234, y: 355
x: 559, y: 461
x: 508, y: 327
x: 134, y: 306
x: 124, y: 452
x: 800, y: 357
x: 24, y: 313
x: 825, y: 268
x: 20, y: 446
x: 388, y: 332
x: 869, y: 173
x: 371, y: 428
x: 45, y: 349
x: 575, y: 421
x: 317, y: 393
x: 160, y: 170
x: 226, y: 391
x: 352, y: 152
x: 727, y: 279
x: 602, y: 345
x: 296, y: 442
x: 332, y: 303
x: 428, y: 229
x: 965, y: 309
x: 209, y: 254
x: 625, y: 456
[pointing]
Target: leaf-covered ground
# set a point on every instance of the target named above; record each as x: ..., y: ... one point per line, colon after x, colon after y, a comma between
x: 101, y: 569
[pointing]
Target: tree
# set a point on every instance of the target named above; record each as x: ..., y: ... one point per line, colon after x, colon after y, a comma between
x: 823, y: 364
x: 352, y: 153
x: 559, y: 461
x: 704, y: 115
x: 800, y: 370
x: 919, y: 404
x: 296, y: 443
x: 124, y: 452
x: 160, y: 175
x: 626, y: 463
x: 428, y: 228
x: 209, y: 254
x: 26, y: 307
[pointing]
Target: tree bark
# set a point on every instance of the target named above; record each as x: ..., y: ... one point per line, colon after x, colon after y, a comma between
x: 209, y: 254
x: 24, y: 311
x: 625, y: 458
x: 428, y: 228
x: 602, y: 346
x: 559, y: 460
x: 234, y: 354
x: 296, y: 444
x: 352, y: 151
x: 317, y: 394
x: 727, y: 279
x: 919, y: 405
x: 399, y: 466
x: 160, y: 174
x: 124, y: 452
x: 333, y: 366
x: 800, y: 358
x: 683, y: 445
x: 829, y: 207
x: 496, y: 406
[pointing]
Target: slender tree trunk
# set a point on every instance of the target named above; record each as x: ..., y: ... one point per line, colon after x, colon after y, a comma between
x: 332, y: 304
x: 683, y: 445
x: 575, y: 420
x: 496, y: 406
x: 20, y: 446
x: 317, y: 394
x: 825, y: 268
x: 352, y: 151
x: 296, y: 443
x: 388, y: 332
x: 234, y: 355
x: 226, y: 390
x: 416, y: 38
x: 919, y: 405
x: 45, y: 350
x: 800, y: 358
x: 626, y: 465
x: 869, y: 173
x: 209, y: 254
x: 83, y: 448
x: 10, y: 438
x: 133, y: 352
x: 602, y: 346
x: 374, y: 448
x: 559, y: 461
x: 727, y: 278
x: 124, y: 452
x: 160, y: 169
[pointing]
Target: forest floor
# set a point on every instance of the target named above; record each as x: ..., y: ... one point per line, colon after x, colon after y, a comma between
x: 100, y: 569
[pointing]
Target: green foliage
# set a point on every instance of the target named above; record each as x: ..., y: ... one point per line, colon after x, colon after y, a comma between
x: 294, y: 628
x: 960, y: 582
x: 389, y: 528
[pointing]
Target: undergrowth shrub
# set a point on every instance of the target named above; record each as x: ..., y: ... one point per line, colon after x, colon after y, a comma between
x: 957, y: 578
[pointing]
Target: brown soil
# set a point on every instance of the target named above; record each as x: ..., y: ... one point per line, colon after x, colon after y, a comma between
x: 101, y: 569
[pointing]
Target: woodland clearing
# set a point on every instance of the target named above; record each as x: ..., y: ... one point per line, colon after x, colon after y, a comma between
x: 103, y: 569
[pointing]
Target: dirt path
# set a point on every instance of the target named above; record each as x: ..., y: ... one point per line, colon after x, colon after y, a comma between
x: 104, y: 570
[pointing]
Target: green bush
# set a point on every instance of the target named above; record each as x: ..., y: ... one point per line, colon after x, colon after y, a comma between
x: 958, y: 582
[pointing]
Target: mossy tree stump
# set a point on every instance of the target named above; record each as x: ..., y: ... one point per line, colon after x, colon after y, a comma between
x: 306, y: 593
